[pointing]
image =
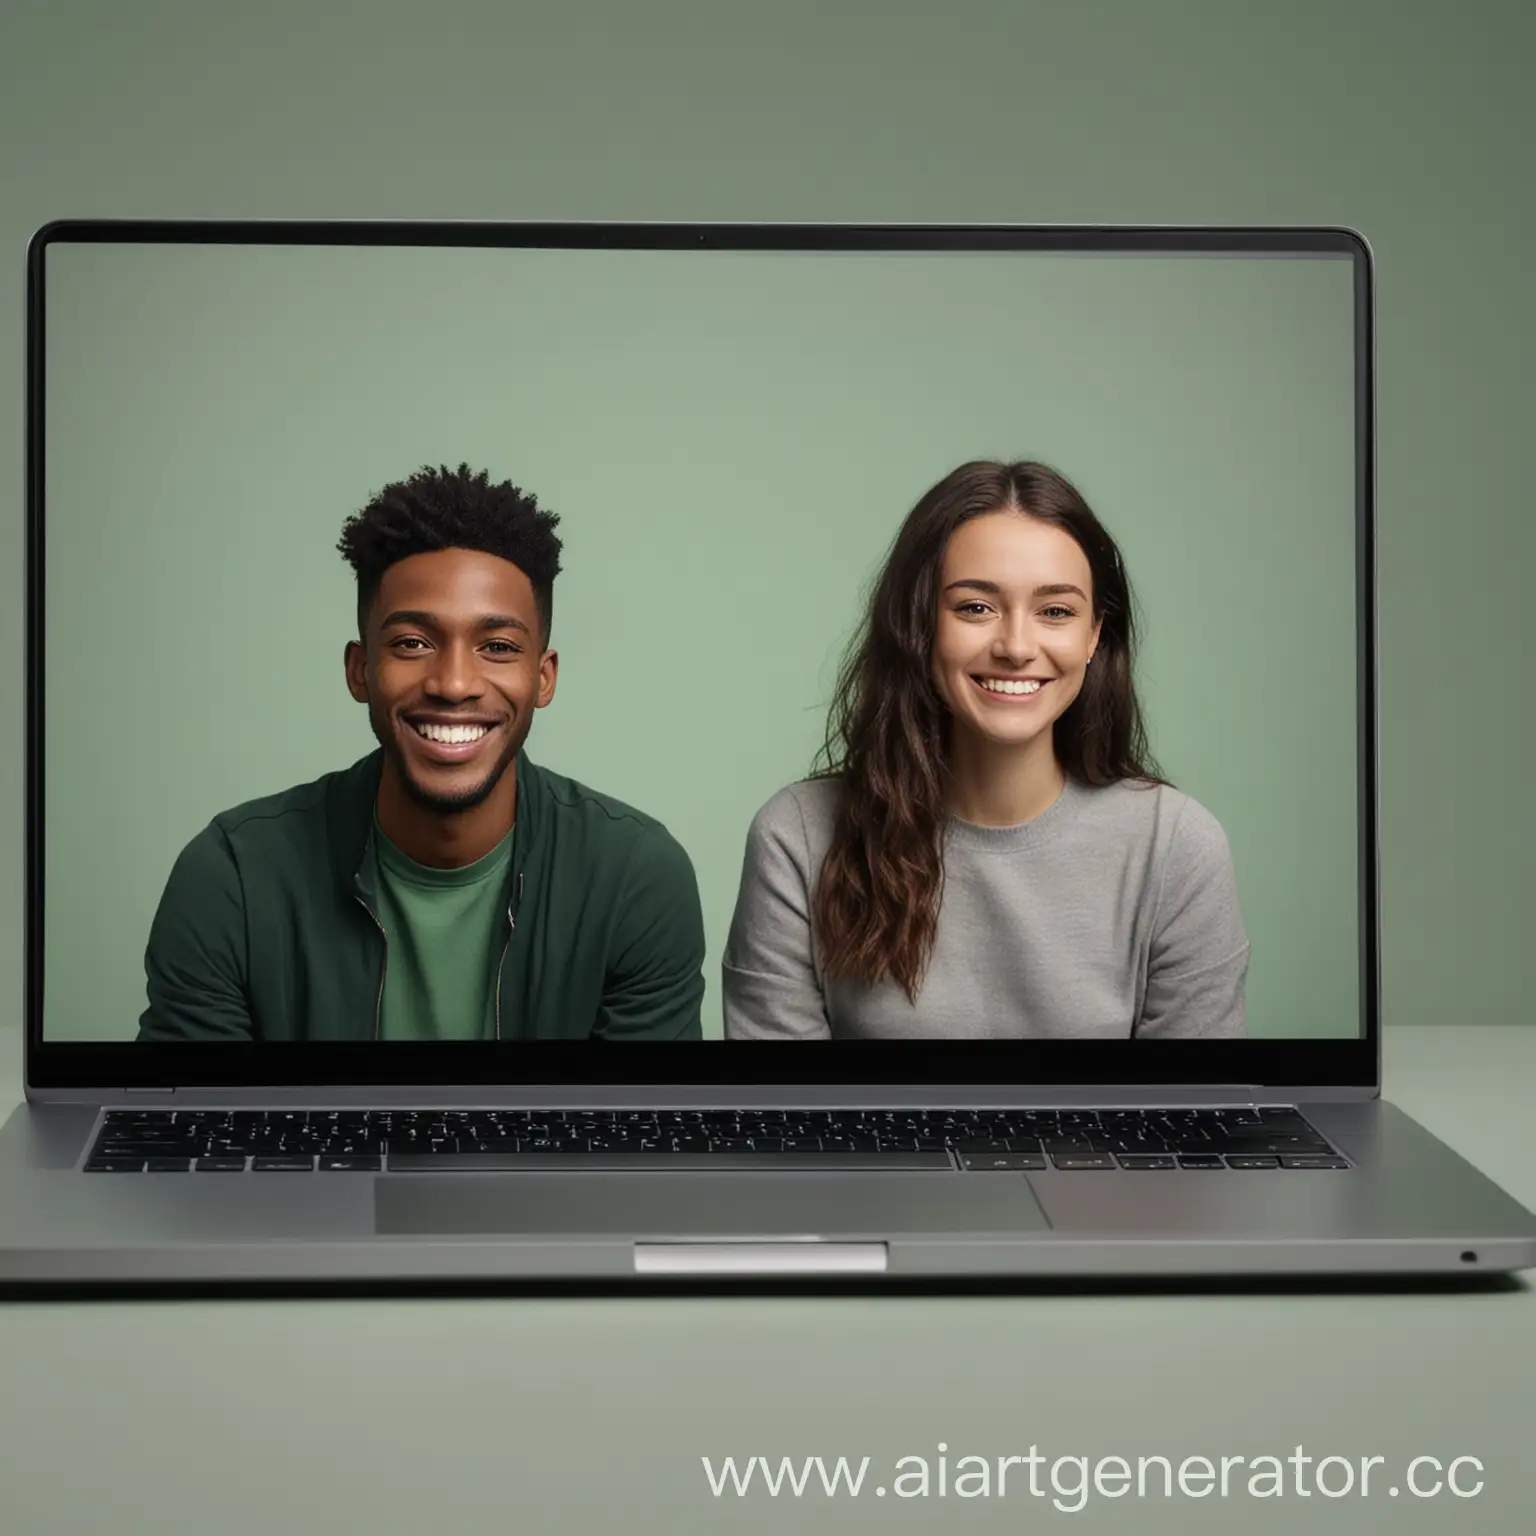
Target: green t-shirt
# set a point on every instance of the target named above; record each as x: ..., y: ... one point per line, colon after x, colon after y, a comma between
x: 445, y: 929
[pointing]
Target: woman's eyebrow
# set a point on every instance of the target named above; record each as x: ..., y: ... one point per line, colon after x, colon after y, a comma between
x: 1050, y: 589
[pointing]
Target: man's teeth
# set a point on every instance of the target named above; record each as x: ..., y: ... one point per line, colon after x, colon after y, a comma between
x: 452, y: 735
x: 1001, y: 685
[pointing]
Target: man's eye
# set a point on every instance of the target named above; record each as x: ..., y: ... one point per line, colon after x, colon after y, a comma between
x: 503, y: 647
x: 407, y: 640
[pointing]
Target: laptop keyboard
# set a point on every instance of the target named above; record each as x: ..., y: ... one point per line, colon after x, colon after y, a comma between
x: 975, y: 1140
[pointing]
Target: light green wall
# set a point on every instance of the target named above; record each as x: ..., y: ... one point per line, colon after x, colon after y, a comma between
x: 1408, y: 121
x: 731, y: 440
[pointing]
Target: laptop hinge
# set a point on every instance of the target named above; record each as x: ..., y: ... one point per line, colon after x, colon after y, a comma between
x: 149, y: 1090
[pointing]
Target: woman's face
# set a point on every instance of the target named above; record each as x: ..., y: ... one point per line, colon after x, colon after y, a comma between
x: 1015, y: 627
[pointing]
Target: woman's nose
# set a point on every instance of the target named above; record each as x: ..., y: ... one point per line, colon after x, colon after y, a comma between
x: 1014, y: 640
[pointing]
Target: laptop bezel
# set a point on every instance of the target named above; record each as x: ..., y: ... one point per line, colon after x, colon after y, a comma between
x: 1344, y: 1067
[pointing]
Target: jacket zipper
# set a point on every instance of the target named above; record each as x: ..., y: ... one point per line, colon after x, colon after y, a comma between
x: 511, y: 929
x: 378, y: 1006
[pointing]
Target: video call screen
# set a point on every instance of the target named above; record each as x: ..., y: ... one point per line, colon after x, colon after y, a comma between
x: 732, y: 440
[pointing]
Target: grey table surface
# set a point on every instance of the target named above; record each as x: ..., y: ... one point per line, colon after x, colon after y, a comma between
x: 594, y: 1412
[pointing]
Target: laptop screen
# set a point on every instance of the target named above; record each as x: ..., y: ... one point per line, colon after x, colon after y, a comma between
x: 522, y: 641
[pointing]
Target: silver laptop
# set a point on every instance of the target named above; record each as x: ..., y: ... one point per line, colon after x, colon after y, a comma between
x: 932, y: 835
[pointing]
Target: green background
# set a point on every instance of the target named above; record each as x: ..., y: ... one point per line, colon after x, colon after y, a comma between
x: 1410, y: 121
x: 731, y: 440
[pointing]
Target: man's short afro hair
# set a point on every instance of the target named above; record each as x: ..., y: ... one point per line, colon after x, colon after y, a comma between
x: 452, y: 509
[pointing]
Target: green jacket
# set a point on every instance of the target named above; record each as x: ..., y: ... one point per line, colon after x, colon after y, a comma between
x: 267, y: 928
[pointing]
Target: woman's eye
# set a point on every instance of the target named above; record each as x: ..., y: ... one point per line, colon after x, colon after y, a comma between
x: 1056, y: 611
x: 971, y: 608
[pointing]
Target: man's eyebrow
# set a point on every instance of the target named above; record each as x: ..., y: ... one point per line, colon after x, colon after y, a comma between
x: 1050, y: 589
x: 425, y: 620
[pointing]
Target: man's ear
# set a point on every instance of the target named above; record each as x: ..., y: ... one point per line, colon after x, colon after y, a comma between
x: 355, y: 661
x: 549, y: 667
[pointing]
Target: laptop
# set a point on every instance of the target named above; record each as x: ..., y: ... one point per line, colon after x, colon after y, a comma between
x: 950, y: 851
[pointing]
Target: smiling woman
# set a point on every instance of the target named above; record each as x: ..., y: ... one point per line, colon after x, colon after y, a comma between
x: 988, y: 850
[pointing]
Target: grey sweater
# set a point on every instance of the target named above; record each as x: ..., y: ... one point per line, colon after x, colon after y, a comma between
x: 1112, y: 914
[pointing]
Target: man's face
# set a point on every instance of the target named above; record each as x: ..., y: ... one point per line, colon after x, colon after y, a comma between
x: 452, y: 669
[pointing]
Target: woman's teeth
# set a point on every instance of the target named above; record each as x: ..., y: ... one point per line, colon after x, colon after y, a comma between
x: 1000, y: 685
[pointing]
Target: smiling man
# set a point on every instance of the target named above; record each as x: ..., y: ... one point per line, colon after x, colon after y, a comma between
x: 444, y: 887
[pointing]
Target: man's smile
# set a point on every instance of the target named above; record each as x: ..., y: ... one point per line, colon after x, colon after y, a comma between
x: 449, y: 738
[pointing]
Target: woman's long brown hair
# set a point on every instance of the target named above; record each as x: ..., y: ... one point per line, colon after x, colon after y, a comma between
x: 876, y: 906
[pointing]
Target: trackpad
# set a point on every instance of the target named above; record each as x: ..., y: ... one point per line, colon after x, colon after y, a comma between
x: 706, y: 1205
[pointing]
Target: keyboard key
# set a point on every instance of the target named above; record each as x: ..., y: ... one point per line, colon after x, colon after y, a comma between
x: 1313, y: 1162
x: 1073, y: 1163
x: 808, y: 1158
x: 1269, y: 1146
x: 1001, y: 1162
x: 1252, y: 1162
x: 167, y: 1164
x: 219, y: 1165
x: 1201, y: 1161
x: 1282, y: 1120
x: 1139, y: 1162
x: 282, y: 1163
x: 115, y: 1165
x: 353, y: 1163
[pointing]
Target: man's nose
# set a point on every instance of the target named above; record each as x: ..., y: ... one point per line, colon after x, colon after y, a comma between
x: 454, y: 674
